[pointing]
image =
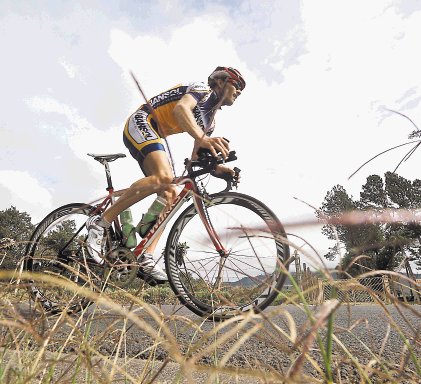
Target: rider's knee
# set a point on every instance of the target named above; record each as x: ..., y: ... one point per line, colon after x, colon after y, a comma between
x: 170, y: 193
x: 163, y: 180
x: 166, y: 188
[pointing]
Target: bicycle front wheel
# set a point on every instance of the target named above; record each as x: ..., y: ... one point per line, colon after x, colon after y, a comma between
x: 248, y: 277
x: 57, y: 248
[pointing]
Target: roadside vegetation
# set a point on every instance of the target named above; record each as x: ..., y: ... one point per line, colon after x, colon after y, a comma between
x: 140, y: 334
x: 96, y: 345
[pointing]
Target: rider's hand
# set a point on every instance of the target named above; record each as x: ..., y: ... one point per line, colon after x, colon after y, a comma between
x: 221, y: 169
x: 214, y: 144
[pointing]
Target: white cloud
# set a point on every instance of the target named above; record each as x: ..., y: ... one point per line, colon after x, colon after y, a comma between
x: 83, y: 138
x: 318, y: 78
x: 160, y: 63
x: 70, y: 69
x: 80, y: 133
x: 312, y: 130
x: 25, y: 193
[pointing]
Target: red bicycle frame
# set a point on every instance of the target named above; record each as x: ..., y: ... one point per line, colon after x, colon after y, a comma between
x: 189, y: 190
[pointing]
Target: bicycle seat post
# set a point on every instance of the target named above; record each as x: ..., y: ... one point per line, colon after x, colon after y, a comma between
x: 108, y: 175
x: 104, y: 160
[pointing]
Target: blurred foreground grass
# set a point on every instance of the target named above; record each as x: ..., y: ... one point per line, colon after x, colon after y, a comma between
x: 127, y: 338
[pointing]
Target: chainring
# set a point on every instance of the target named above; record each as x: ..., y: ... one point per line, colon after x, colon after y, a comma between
x: 121, y: 268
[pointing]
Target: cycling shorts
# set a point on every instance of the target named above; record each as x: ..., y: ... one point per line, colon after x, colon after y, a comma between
x: 141, y: 135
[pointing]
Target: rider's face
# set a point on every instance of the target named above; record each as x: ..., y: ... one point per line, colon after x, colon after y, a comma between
x: 228, y: 92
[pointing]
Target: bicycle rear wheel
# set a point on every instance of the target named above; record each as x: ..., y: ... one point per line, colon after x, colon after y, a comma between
x: 57, y: 248
x: 248, y: 278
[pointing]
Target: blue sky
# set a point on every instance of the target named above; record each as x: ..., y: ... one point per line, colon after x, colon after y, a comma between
x: 320, y: 76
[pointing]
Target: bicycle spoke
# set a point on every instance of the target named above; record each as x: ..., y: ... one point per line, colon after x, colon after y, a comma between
x: 243, y: 278
x: 57, y: 248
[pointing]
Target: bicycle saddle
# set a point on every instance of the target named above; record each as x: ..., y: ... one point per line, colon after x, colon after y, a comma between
x: 108, y: 158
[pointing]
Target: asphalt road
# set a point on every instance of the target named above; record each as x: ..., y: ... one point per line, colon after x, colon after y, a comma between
x: 363, y: 330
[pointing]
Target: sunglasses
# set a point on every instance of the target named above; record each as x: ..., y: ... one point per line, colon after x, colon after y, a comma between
x: 235, y: 83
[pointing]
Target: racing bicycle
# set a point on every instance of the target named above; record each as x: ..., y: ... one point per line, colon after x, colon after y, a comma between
x: 225, y: 253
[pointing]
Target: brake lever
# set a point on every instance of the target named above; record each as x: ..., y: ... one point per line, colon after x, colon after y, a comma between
x: 232, y: 181
x: 236, y: 177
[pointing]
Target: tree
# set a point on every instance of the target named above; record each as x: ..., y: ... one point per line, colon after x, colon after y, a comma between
x: 58, y: 237
x: 17, y: 226
x: 382, y: 245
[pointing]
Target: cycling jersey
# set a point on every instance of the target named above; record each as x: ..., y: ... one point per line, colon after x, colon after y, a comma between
x: 142, y: 134
x: 203, y: 112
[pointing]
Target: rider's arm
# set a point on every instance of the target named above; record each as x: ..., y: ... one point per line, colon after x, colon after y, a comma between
x: 183, y: 113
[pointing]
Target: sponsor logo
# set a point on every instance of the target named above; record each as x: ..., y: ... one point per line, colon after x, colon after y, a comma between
x: 198, y: 117
x: 140, y: 120
x: 165, y: 97
x: 197, y: 87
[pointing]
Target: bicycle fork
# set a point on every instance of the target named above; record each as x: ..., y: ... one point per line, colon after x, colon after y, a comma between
x: 223, y: 253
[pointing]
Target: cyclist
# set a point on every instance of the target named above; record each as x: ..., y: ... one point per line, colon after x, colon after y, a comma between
x: 187, y: 108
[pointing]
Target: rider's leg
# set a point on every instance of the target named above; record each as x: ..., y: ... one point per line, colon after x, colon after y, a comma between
x: 159, y: 178
x: 137, y: 191
x: 157, y: 182
x: 157, y: 164
x: 144, y: 144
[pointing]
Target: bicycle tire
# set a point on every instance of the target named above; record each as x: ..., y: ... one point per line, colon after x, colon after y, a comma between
x: 252, y: 275
x: 42, y: 256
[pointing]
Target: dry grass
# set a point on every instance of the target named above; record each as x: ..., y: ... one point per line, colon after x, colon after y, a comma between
x: 97, y: 345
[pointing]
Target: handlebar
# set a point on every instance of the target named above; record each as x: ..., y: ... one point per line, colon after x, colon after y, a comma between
x: 207, y: 164
x: 232, y: 181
